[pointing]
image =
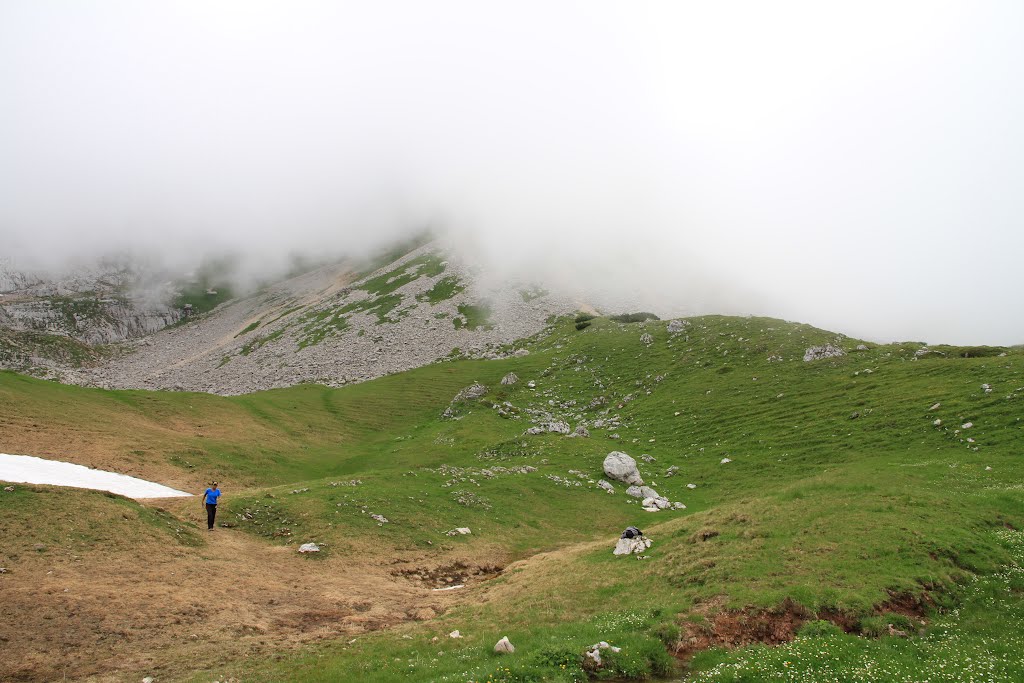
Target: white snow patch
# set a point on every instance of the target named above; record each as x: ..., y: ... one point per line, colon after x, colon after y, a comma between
x: 27, y: 469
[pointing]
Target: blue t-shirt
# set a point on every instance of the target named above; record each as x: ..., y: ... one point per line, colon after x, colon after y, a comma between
x: 212, y: 496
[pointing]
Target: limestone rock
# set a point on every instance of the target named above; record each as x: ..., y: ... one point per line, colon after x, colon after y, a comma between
x: 309, y: 548
x: 503, y: 646
x: 676, y: 326
x: 630, y: 546
x: 556, y: 427
x: 621, y: 467
x: 642, y: 492
x: 474, y: 390
x: 824, y: 351
x: 606, y: 486
x: 510, y: 378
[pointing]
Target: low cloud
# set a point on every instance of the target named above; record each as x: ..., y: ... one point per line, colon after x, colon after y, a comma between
x: 855, y: 169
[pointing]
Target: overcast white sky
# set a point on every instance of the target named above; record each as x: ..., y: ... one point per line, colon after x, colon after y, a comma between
x: 858, y: 166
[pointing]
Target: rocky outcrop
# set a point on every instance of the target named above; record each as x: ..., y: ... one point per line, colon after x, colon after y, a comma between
x: 326, y: 327
x: 824, y: 351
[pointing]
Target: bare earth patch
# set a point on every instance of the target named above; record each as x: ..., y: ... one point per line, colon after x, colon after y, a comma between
x: 165, y: 610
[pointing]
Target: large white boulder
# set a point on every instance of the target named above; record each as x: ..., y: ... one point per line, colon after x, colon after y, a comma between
x: 621, y: 467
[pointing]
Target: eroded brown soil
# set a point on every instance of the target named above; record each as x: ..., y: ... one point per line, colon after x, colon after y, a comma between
x: 163, y: 609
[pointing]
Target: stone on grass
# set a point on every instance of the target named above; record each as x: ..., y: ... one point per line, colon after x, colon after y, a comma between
x: 474, y: 390
x: 935, y: 406
x: 504, y: 646
x: 606, y: 486
x: 691, y: 486
x: 309, y: 548
x: 510, y: 378
x: 725, y: 460
x: 823, y: 351
x: 937, y: 422
x: 556, y: 427
x: 455, y: 634
x: 631, y: 546
x: 379, y: 518
x: 621, y: 467
x: 676, y: 326
x: 581, y: 431
x: 642, y: 492
x: 967, y: 425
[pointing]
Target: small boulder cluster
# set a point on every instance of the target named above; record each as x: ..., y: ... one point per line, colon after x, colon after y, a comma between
x: 621, y: 467
x: 554, y: 427
x: 593, y: 653
x: 823, y: 351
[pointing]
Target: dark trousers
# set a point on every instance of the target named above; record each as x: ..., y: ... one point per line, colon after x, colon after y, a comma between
x: 211, y: 512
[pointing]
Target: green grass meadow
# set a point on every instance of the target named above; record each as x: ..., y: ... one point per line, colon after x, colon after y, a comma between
x: 841, y: 496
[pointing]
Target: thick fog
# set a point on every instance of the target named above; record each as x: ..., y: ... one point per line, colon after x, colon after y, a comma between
x: 857, y: 166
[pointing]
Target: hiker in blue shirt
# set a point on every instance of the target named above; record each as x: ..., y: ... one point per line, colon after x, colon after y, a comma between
x: 210, y: 500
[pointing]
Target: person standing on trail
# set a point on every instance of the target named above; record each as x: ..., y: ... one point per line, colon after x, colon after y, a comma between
x: 210, y: 500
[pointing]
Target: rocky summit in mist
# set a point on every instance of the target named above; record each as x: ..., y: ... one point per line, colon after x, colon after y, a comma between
x: 343, y: 322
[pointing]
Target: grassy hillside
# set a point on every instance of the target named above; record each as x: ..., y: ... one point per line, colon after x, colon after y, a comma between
x: 843, y: 507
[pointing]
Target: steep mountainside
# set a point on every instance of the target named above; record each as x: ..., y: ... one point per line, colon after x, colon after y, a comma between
x: 334, y: 327
x: 49, y: 327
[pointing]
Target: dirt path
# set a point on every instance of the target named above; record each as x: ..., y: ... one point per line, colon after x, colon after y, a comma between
x: 169, y: 610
